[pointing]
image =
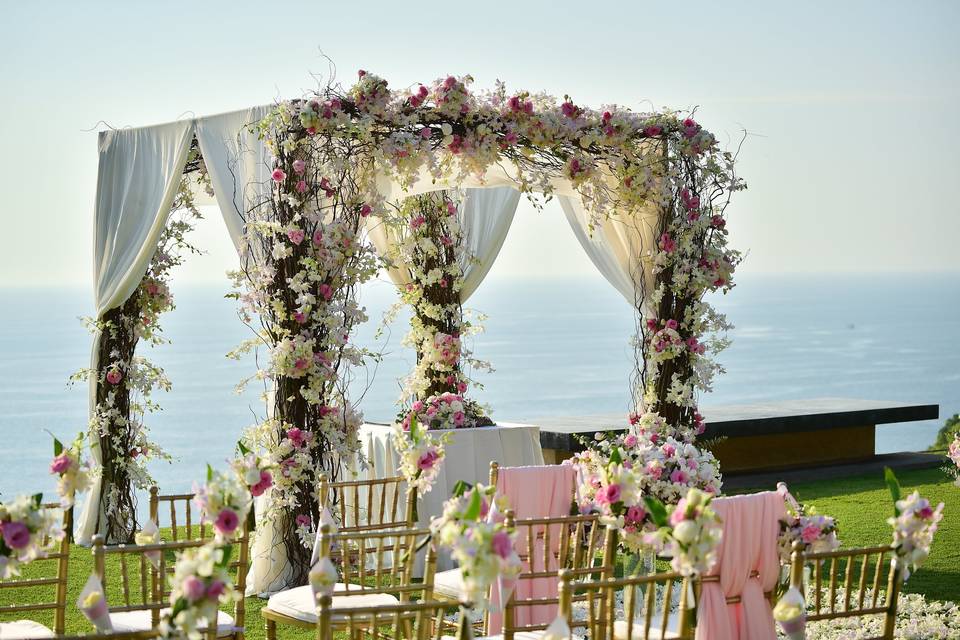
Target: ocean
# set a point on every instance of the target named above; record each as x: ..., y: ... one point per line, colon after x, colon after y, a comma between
x: 559, y: 347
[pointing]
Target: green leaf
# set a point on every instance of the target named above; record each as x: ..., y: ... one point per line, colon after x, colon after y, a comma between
x: 209, y: 473
x: 414, y: 431
x: 615, y: 457
x: 476, y: 504
x: 894, y: 485
x: 57, y: 447
x: 658, y: 512
x: 242, y: 448
x: 227, y: 552
x: 38, y: 499
x: 461, y: 488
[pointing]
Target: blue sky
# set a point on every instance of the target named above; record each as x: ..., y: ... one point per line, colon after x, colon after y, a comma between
x: 850, y: 107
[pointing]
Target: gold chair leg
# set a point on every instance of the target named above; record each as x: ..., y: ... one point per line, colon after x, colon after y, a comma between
x: 271, y: 628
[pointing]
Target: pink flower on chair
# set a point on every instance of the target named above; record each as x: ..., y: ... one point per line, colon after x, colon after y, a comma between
x: 16, y: 535
x: 227, y: 522
x: 60, y: 464
x: 501, y: 544
x: 193, y: 588
x: 266, y: 481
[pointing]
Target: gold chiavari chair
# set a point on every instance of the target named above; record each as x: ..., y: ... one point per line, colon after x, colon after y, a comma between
x: 375, y: 569
x: 144, y: 590
x: 43, y: 577
x: 859, y: 594
x: 192, y: 524
x: 449, y: 583
x: 123, y: 635
x: 412, y: 620
x: 643, y: 618
x: 577, y: 545
x: 370, y: 505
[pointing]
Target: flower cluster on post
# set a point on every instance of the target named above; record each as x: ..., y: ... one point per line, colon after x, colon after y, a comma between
x: 27, y: 532
x: 914, y: 523
x: 478, y: 540
x: 224, y: 502
x: 125, y: 382
x: 617, y: 474
x: 953, y: 454
x: 72, y: 471
x: 689, y: 532
x: 430, y: 247
x: 421, y: 455
x: 201, y: 583
x: 817, y: 533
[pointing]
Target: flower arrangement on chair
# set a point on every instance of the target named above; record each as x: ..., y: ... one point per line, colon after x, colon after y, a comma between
x: 953, y: 455
x: 224, y: 501
x: 201, y: 583
x: 27, y: 531
x: 814, y: 531
x: 74, y: 473
x: 914, y: 523
x: 688, y: 532
x: 421, y: 454
x: 478, y: 540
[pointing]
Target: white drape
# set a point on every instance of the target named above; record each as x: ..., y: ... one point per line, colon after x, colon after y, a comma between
x: 138, y: 177
x: 238, y: 164
x: 485, y: 217
x: 620, y: 247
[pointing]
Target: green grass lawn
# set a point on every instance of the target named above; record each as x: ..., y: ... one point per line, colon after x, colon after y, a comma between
x: 860, y: 504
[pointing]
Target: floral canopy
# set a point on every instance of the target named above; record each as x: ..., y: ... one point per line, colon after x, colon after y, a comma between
x: 319, y: 193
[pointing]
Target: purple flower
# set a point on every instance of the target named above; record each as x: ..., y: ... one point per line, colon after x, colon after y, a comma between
x: 16, y: 534
x: 193, y: 588
x: 227, y: 521
x: 501, y: 544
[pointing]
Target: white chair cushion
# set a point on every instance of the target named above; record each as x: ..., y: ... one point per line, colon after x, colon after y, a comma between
x: 126, y: 621
x: 521, y: 635
x: 673, y: 623
x: 448, y: 583
x: 298, y: 602
x: 23, y: 629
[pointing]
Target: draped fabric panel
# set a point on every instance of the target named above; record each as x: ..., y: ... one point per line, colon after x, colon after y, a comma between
x: 621, y: 248
x: 138, y: 177
x: 486, y: 216
x: 238, y: 164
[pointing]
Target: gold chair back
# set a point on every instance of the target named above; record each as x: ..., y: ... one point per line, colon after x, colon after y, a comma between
x: 369, y: 505
x: 421, y: 620
x: 847, y: 583
x: 643, y: 617
x: 44, y: 576
x: 578, y: 545
x: 381, y: 561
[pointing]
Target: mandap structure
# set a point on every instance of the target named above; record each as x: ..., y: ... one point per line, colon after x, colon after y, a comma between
x: 320, y: 193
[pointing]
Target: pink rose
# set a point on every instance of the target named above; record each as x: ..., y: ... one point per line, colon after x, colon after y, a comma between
x: 458, y: 418
x: 365, y: 210
x: 193, y: 588
x: 301, y: 186
x: 635, y: 514
x: 428, y: 460
x: 501, y: 544
x: 679, y: 476
x: 810, y: 533
x: 266, y: 481
x: 297, y: 437
x: 216, y: 589
x: 16, y: 535
x: 295, y: 235
x: 609, y: 494
x: 278, y: 175
x: 303, y: 520
x: 227, y: 522
x: 114, y: 376
x: 60, y: 464
x: 318, y: 237
x: 299, y: 166
x: 630, y: 440
x: 325, y: 291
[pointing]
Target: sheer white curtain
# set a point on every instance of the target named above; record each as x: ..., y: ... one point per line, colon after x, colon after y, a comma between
x: 485, y: 215
x: 238, y: 164
x: 621, y: 248
x: 138, y: 177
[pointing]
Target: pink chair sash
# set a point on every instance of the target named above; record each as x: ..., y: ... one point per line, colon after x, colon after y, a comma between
x: 748, y: 565
x: 533, y: 492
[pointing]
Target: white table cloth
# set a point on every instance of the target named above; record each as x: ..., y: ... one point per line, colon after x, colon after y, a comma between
x: 468, y: 457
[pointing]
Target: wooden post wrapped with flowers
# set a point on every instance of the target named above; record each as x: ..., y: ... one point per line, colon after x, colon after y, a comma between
x: 124, y: 382
x: 430, y: 247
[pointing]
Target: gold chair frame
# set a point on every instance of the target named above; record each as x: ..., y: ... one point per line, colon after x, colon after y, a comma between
x: 421, y: 620
x: 348, y: 494
x: 62, y: 558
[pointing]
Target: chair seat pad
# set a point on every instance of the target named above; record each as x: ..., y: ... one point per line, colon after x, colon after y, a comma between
x: 23, y: 629
x: 620, y: 629
x: 127, y: 621
x: 448, y: 583
x: 298, y: 602
x: 520, y: 635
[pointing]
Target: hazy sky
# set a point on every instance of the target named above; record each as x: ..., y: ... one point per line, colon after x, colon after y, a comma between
x: 851, y: 107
